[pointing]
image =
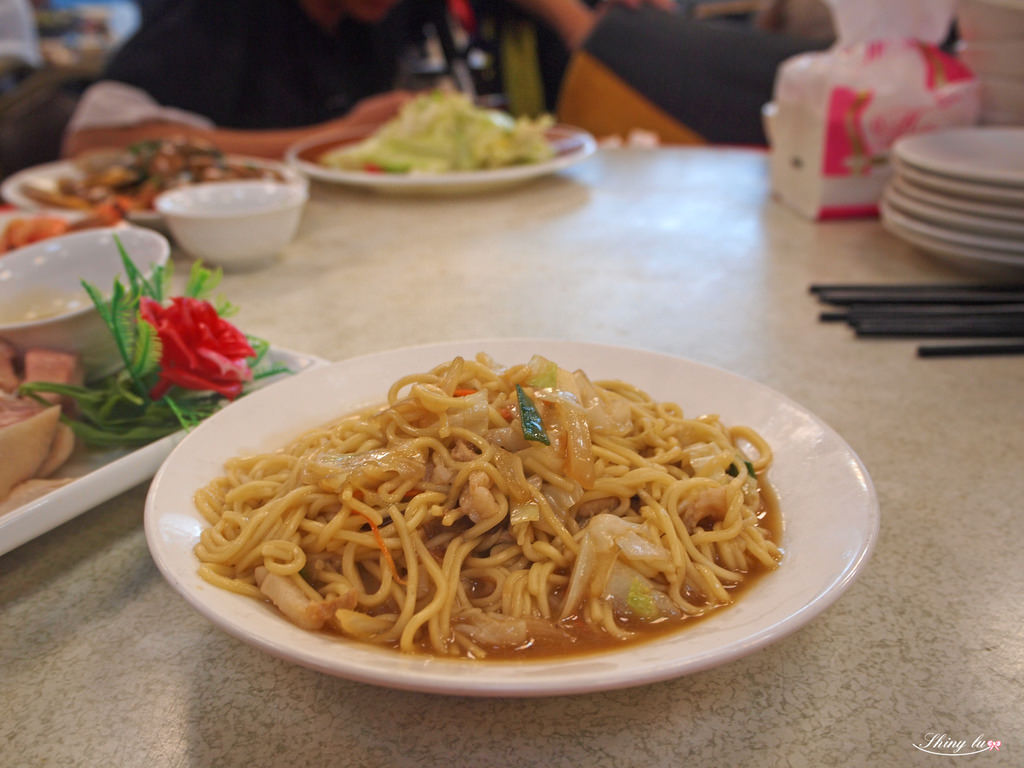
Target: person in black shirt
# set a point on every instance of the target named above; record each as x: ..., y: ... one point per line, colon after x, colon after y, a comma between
x: 252, y: 76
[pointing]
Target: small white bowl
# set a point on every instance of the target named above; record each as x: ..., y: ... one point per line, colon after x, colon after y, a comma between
x: 989, y: 20
x: 43, y: 304
x: 234, y: 223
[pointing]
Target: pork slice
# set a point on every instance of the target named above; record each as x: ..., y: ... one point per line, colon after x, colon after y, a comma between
x: 15, y: 409
x: 53, y: 366
x: 25, y: 446
x: 293, y: 603
x: 60, y: 451
x: 8, y: 375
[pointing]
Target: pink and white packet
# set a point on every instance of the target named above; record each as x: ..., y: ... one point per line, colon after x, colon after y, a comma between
x: 836, y: 113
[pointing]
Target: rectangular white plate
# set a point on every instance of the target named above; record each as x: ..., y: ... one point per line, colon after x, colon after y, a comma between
x: 102, y: 474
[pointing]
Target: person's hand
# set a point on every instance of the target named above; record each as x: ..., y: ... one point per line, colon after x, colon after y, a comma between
x: 375, y: 110
x: 573, y: 20
x: 665, y: 5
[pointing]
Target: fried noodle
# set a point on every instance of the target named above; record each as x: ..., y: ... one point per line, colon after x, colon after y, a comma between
x: 443, y: 522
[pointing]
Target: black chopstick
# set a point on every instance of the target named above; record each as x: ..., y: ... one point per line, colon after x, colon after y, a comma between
x: 946, y: 295
x: 854, y: 312
x: 970, y: 350
x: 881, y: 288
x: 978, y: 311
x: 951, y: 326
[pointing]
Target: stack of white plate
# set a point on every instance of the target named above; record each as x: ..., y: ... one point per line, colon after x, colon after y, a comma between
x: 992, y: 45
x: 959, y: 193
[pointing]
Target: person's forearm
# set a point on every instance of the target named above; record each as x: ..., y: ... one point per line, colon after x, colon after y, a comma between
x: 270, y: 144
x: 571, y: 19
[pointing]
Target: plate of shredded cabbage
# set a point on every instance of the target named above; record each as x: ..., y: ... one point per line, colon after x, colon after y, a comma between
x: 442, y: 143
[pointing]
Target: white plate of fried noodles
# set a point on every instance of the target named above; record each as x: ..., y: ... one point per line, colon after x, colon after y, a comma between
x: 829, y: 522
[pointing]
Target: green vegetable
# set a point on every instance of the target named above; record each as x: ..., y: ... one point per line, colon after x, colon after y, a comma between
x: 533, y: 425
x: 442, y: 132
x: 547, y: 377
x: 641, y: 601
x: 733, y: 470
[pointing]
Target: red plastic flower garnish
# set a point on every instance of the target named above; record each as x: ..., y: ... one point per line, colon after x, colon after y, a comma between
x: 201, y: 350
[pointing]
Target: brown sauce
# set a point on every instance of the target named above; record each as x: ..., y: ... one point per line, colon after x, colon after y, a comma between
x: 583, y: 640
x: 586, y: 640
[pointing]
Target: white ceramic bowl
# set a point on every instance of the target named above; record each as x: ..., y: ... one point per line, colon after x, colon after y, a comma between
x: 995, y: 58
x: 234, y: 223
x: 988, y: 20
x: 43, y: 304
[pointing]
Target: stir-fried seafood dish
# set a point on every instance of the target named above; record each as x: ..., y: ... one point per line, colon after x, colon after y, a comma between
x: 132, y: 179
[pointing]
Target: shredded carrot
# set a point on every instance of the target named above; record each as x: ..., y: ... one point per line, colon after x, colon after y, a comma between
x: 506, y: 413
x: 463, y: 391
x: 382, y: 545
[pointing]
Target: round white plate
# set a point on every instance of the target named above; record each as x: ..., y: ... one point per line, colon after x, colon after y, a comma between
x: 49, y: 173
x: 964, y: 255
x: 952, y: 219
x: 978, y: 154
x: 1011, y: 212
x: 949, y: 234
x: 828, y: 504
x: 572, y: 145
x: 959, y: 188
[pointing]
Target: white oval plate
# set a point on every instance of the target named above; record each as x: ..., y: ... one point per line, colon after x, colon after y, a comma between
x: 49, y: 173
x: 975, y: 154
x: 829, y: 509
x: 572, y: 145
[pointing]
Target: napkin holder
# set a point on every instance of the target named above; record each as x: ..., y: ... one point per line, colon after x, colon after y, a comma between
x: 835, y: 113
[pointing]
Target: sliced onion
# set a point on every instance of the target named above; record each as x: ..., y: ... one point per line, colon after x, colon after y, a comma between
x: 523, y: 513
x: 511, y: 468
x: 625, y: 585
x: 474, y: 416
x: 493, y: 630
x: 361, y: 625
x: 332, y: 470
x: 571, y: 422
x: 607, y: 412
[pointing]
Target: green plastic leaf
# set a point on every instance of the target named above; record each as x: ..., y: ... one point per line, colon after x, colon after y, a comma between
x: 123, y: 313
x: 202, y: 282
x: 102, y: 308
x: 260, y: 347
x: 224, y: 307
x: 148, y: 349
x: 131, y: 436
x: 154, y: 288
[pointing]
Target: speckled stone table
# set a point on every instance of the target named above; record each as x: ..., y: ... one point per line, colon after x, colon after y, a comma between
x: 677, y: 250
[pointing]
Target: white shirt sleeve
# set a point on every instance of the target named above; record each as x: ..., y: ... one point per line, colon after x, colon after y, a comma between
x: 18, y: 36
x: 109, y: 104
